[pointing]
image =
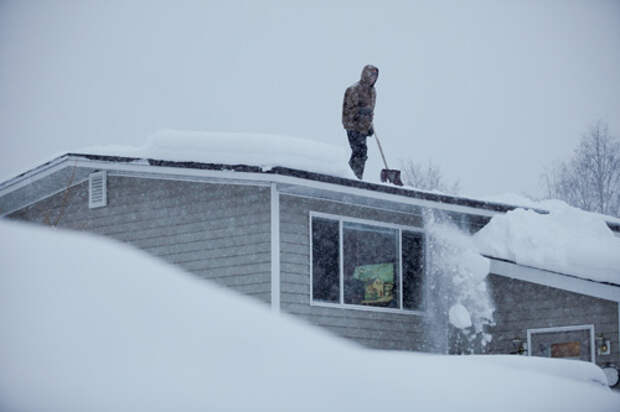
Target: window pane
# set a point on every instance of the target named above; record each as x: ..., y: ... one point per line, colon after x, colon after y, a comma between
x: 413, y: 270
x: 325, y: 260
x: 370, y: 265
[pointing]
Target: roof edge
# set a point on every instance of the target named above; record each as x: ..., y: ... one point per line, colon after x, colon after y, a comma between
x: 571, y: 283
x: 314, y: 176
x: 33, y: 172
x: 289, y: 172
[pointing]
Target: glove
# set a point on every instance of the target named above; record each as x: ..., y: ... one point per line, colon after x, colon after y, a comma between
x: 371, y: 131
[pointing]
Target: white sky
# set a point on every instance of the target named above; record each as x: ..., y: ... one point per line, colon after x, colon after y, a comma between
x: 491, y: 92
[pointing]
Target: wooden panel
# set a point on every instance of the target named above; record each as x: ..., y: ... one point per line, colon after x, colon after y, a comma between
x: 221, y: 262
x: 219, y: 232
x: 208, y: 241
x: 216, y: 251
x: 294, y: 238
x: 370, y: 328
x: 196, y: 233
x: 522, y: 305
x: 145, y: 210
x: 295, y: 278
x: 234, y: 270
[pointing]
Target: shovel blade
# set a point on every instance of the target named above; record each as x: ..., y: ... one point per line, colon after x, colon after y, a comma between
x: 391, y: 176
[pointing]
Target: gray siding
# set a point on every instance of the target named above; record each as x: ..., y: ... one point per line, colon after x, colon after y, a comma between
x: 222, y: 232
x: 43, y: 187
x: 216, y: 231
x: 522, y: 305
x: 370, y: 328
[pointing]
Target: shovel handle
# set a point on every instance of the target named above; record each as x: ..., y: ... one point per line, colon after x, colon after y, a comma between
x: 381, y: 150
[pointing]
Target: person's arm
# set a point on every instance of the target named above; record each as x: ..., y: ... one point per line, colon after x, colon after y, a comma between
x: 349, y: 107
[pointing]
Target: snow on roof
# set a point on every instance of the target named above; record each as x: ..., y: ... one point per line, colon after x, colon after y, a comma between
x: 263, y: 150
x: 567, y: 240
x: 268, y: 151
x: 113, y: 329
x: 547, y: 204
x: 572, y: 243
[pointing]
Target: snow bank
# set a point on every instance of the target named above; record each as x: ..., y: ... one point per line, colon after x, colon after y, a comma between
x: 88, y: 324
x: 263, y: 150
x: 567, y: 240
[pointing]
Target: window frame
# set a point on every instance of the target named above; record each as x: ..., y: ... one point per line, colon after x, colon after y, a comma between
x: 572, y: 328
x: 341, y: 304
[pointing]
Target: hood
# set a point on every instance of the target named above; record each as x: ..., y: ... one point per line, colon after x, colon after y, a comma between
x: 369, y: 75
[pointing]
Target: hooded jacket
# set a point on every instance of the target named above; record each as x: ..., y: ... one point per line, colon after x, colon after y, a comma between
x: 359, y: 102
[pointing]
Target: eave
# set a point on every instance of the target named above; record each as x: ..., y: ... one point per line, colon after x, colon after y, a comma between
x: 293, y: 181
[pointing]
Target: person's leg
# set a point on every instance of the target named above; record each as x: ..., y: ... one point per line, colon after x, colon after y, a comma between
x: 358, y: 152
x: 362, y: 155
x: 354, y: 143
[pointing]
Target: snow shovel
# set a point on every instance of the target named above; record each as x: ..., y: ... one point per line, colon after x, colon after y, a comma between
x: 387, y: 174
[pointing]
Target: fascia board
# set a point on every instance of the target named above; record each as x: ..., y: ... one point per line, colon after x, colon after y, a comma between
x: 556, y: 280
x: 139, y: 167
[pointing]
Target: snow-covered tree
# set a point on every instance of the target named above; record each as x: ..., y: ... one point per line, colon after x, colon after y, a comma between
x: 589, y: 180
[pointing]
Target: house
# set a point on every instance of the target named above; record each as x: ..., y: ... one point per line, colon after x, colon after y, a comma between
x: 346, y: 255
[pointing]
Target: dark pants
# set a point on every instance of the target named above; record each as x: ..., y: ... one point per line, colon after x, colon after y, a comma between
x: 357, y: 141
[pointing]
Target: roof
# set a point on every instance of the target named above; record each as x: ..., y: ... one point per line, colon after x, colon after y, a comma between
x: 301, y: 177
x: 52, y: 177
x: 318, y: 177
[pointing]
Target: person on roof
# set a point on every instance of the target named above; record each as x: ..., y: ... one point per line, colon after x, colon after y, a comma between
x: 357, y: 116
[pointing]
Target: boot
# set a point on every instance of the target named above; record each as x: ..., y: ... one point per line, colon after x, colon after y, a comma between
x: 358, y: 169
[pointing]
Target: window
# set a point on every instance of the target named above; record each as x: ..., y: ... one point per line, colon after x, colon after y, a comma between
x: 413, y: 268
x: 360, y: 264
x: 325, y: 260
x: 569, y: 342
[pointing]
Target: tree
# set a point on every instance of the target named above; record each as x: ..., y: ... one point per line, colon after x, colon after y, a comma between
x: 428, y: 177
x: 590, y: 180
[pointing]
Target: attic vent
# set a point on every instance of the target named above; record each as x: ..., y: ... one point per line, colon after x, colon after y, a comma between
x: 97, y: 190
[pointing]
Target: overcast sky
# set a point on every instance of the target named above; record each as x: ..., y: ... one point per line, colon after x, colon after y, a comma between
x: 491, y: 92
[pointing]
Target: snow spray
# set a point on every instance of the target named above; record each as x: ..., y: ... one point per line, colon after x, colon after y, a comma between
x: 458, y: 302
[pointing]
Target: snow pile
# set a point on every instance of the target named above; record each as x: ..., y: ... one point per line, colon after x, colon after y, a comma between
x: 263, y: 150
x: 88, y: 324
x: 459, y: 316
x: 567, y: 240
x: 457, y: 279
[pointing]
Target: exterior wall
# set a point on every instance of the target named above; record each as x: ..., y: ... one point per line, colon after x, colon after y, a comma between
x: 222, y: 232
x: 523, y: 305
x: 370, y: 328
x: 216, y: 231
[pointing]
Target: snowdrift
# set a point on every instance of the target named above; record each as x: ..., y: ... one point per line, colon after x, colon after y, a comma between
x: 88, y: 324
